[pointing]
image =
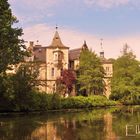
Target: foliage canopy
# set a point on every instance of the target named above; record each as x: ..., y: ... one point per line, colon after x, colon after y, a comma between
x: 91, y: 73
x: 12, y: 49
x: 126, y: 76
x: 66, y: 81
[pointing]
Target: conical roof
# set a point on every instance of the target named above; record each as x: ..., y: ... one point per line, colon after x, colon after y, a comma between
x: 56, y: 42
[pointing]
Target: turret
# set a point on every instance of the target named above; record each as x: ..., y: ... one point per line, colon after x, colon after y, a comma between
x: 102, y: 51
x: 85, y: 47
x: 58, y: 57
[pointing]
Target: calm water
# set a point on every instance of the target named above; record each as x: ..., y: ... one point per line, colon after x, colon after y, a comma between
x: 99, y: 124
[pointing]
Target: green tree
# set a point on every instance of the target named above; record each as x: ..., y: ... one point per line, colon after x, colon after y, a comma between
x: 6, y: 93
x: 126, y: 76
x: 91, y: 73
x: 25, y: 83
x: 12, y: 49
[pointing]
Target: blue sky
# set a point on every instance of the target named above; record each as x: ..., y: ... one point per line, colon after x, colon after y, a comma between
x: 116, y: 21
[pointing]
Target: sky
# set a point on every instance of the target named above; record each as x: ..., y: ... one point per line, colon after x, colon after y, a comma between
x: 116, y: 21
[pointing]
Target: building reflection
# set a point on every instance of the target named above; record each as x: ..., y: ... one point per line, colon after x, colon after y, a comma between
x: 64, y: 129
x: 97, y: 124
x: 46, y: 132
x: 110, y: 134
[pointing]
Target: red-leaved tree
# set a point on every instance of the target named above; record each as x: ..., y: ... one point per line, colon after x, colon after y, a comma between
x: 66, y: 81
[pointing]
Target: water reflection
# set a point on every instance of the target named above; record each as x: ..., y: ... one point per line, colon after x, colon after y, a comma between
x: 110, y: 134
x: 99, y: 124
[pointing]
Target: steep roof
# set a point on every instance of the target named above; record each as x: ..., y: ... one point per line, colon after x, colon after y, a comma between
x: 75, y: 53
x: 56, y: 42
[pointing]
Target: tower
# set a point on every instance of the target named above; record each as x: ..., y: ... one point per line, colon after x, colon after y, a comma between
x: 102, y: 51
x: 56, y: 60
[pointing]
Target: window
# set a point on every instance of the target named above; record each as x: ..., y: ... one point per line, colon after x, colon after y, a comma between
x: 59, y: 57
x: 54, y: 88
x: 61, y: 71
x: 107, y: 69
x: 71, y: 64
x: 52, y: 73
x: 55, y: 57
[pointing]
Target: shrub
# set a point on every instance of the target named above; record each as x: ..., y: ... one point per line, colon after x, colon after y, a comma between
x: 48, y: 101
x: 131, y: 100
x: 86, y: 102
x: 37, y: 101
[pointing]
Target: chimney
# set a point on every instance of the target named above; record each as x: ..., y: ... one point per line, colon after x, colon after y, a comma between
x: 31, y: 44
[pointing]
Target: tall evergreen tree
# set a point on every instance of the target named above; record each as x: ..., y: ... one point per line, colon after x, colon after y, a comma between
x: 91, y: 73
x: 12, y: 48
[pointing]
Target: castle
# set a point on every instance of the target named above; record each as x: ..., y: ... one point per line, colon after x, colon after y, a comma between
x: 56, y: 57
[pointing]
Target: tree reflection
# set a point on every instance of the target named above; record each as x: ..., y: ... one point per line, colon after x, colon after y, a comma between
x: 17, y: 128
x: 83, y: 126
x: 99, y: 124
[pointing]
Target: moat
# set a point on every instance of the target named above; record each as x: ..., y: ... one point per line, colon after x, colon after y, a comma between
x: 121, y: 123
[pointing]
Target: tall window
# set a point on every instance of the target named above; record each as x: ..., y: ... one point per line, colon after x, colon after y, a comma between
x: 55, y: 57
x: 54, y: 88
x: 59, y: 56
x: 52, y: 72
x: 61, y: 71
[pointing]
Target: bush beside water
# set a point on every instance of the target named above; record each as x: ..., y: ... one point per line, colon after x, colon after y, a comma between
x: 86, y: 102
x: 132, y: 99
x: 44, y: 102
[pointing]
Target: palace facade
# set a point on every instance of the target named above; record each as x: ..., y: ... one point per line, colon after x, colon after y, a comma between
x: 56, y: 57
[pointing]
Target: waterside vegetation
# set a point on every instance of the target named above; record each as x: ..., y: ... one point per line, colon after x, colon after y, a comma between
x: 19, y: 90
x: 47, y: 102
x: 125, y: 82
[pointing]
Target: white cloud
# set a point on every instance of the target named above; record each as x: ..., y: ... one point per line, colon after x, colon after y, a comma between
x: 74, y: 39
x: 32, y: 11
x: 45, y: 4
x: 106, y: 3
x: 37, y: 4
